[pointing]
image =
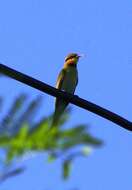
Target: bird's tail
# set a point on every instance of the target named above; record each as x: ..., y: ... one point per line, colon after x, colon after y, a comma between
x: 59, y: 110
x: 56, y: 118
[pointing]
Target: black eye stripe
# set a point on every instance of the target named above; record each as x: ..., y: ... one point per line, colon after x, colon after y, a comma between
x: 74, y: 56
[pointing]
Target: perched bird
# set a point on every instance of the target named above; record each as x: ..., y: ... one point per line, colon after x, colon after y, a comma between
x: 67, y: 81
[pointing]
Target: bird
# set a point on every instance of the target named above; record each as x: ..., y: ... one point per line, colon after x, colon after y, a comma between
x: 67, y: 81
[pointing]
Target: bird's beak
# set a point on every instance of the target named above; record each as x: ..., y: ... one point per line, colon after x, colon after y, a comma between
x: 81, y: 55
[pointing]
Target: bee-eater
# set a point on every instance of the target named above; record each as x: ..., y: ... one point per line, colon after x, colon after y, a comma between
x: 67, y: 81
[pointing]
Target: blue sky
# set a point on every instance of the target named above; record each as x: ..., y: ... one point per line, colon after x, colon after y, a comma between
x: 35, y: 36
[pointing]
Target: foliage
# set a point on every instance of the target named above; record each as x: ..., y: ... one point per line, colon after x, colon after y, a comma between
x: 19, y: 134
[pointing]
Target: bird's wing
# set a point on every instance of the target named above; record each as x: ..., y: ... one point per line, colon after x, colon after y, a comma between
x: 60, y: 104
x: 60, y: 79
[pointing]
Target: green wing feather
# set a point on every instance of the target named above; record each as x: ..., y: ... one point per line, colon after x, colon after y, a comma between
x: 60, y: 79
x: 60, y: 104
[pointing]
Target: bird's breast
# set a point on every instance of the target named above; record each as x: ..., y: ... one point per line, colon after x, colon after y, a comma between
x: 70, y: 81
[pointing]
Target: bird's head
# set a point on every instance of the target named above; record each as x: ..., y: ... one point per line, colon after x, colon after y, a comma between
x: 72, y: 59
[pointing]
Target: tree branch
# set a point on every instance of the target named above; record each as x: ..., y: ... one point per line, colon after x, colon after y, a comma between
x: 122, y: 122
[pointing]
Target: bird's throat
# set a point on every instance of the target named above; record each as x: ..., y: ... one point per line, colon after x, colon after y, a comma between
x: 70, y: 64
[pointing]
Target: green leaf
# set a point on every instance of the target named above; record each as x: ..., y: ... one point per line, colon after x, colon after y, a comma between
x: 22, y: 134
x: 66, y: 168
x: 28, y: 114
x: 78, y: 130
x: 4, y: 141
x: 4, y: 176
x: 14, y: 111
x: 51, y: 158
x: 90, y: 140
x: 77, y: 136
